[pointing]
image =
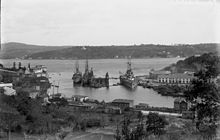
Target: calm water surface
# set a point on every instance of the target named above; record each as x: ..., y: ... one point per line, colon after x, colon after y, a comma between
x: 61, y: 72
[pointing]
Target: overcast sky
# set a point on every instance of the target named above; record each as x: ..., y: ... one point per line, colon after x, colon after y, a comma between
x: 110, y: 22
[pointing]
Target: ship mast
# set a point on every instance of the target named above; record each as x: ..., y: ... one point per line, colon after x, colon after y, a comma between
x: 77, y: 66
x: 129, y: 63
x: 86, y: 66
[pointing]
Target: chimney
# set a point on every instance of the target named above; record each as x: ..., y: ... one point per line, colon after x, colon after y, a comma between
x: 29, y: 65
x: 19, y: 65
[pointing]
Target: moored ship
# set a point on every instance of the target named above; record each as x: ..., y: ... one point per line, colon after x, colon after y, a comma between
x: 88, y: 75
x: 89, y: 80
x: 128, y: 79
x: 77, y: 76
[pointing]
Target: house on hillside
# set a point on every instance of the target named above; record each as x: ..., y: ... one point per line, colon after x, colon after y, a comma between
x: 7, y: 88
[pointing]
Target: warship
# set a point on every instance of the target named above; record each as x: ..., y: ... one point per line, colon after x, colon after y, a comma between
x: 128, y: 79
x: 88, y: 75
x: 77, y: 76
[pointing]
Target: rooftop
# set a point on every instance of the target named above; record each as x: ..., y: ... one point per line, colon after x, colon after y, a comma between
x: 79, y: 96
x: 122, y: 101
x: 179, y: 100
x: 177, y: 75
x: 143, y: 104
x: 160, y: 72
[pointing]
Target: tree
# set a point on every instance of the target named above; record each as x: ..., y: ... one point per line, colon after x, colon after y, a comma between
x: 140, y: 116
x: 204, y: 94
x: 138, y: 133
x: 125, y: 129
x: 9, y: 118
x: 117, y: 136
x: 23, y: 102
x: 155, y: 124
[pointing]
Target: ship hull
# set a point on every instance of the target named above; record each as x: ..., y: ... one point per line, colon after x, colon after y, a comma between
x: 77, y: 79
x: 131, y: 84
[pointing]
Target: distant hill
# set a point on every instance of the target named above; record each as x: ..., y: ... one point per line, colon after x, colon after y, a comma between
x: 194, y: 63
x: 20, y: 50
x: 104, y: 52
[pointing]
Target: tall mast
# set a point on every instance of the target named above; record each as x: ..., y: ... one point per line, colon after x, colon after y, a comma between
x: 129, y: 63
x: 87, y: 66
x: 77, y: 66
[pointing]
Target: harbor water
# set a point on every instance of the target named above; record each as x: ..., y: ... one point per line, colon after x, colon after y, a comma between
x: 61, y: 71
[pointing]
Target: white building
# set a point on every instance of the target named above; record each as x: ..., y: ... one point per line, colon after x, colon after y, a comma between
x: 8, y: 88
x: 178, y: 78
x: 80, y: 98
x: 40, y: 71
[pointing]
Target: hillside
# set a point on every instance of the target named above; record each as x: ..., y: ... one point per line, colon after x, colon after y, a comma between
x: 104, y: 52
x: 194, y: 63
x: 21, y: 50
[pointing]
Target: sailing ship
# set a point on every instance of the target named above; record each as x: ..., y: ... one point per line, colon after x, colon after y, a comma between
x: 128, y: 79
x: 77, y: 76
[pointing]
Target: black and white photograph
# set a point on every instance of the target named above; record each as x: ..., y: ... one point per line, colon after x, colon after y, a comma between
x: 110, y: 70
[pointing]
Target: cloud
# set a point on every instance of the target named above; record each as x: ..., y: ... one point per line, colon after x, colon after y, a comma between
x: 55, y: 22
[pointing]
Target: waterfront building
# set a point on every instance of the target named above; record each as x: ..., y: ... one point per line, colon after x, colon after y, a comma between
x: 7, y: 88
x: 80, y: 98
x: 81, y: 106
x: 113, y: 110
x: 141, y: 106
x: 123, y: 103
x: 177, y: 78
x: 180, y: 104
x: 9, y: 75
x: 6, y: 85
x: 40, y: 71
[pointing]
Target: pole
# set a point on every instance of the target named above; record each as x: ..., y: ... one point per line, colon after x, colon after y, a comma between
x: 53, y: 86
x: 58, y: 86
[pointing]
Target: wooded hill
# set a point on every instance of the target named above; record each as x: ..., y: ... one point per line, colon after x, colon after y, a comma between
x: 18, y: 50
x: 195, y: 63
x: 14, y: 50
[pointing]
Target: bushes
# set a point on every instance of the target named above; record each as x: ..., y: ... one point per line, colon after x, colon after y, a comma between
x: 170, y: 90
x: 154, y: 126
